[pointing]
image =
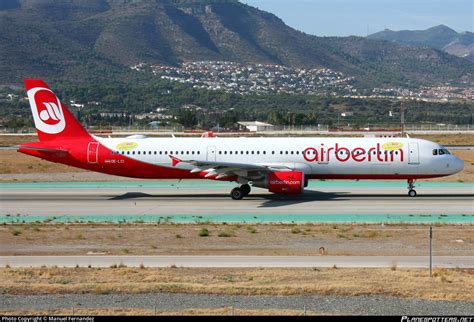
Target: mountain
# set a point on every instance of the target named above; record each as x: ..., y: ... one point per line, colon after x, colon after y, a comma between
x: 98, y: 40
x: 440, y: 37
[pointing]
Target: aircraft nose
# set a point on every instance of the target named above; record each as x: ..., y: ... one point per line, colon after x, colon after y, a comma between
x: 457, y: 165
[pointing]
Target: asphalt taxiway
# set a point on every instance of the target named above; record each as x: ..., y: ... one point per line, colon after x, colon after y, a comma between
x: 191, y: 200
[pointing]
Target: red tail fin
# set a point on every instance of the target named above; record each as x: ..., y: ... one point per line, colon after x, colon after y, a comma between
x: 52, y: 118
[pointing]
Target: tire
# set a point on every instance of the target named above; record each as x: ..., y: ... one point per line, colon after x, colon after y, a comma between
x: 237, y: 194
x: 412, y: 193
x: 245, y: 189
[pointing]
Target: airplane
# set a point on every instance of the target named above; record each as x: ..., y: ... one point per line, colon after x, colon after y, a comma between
x: 281, y: 165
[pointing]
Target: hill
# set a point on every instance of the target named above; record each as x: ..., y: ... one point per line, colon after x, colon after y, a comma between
x: 98, y: 40
x: 440, y: 37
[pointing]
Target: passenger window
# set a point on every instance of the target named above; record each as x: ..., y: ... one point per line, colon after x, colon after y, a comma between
x: 192, y: 152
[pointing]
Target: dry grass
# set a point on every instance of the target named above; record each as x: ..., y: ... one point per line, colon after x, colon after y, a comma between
x: 268, y: 239
x: 11, y: 140
x: 12, y: 161
x: 448, y: 139
x: 145, y: 312
x: 454, y: 284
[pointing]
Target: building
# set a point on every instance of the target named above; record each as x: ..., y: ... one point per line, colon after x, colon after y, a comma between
x: 255, y: 126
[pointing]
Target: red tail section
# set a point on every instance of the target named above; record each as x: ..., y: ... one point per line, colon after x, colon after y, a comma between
x: 52, y: 118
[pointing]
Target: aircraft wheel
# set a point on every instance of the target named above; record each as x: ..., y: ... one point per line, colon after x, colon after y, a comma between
x: 237, y: 194
x: 412, y: 193
x: 245, y: 189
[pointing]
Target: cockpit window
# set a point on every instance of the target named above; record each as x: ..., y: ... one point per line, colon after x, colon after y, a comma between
x: 440, y: 152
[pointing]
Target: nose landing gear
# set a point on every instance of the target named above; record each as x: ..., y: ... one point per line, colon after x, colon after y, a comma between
x: 240, y: 192
x: 411, y: 188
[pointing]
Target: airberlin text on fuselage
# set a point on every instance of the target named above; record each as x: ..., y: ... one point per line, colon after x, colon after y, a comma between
x: 359, y: 154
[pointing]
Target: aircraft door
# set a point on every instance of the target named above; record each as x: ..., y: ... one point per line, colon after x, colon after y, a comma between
x: 413, y: 155
x: 92, y: 152
x: 211, y: 153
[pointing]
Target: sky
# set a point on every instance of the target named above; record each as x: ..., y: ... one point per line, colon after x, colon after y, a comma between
x: 362, y: 17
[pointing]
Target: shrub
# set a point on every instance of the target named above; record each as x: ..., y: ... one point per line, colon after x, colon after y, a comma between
x: 226, y: 234
x: 203, y: 232
x: 15, y: 232
x: 295, y: 230
x: 251, y: 230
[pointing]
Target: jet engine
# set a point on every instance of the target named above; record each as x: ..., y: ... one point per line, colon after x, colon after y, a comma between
x: 283, y: 182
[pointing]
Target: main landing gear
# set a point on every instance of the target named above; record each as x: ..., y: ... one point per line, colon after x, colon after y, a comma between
x: 411, y: 188
x: 240, y: 192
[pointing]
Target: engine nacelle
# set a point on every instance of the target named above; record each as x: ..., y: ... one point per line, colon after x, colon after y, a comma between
x: 286, y: 183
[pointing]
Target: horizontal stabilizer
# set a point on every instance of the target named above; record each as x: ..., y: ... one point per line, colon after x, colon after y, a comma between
x: 43, y: 149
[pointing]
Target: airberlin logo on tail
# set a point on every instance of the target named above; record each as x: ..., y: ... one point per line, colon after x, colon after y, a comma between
x: 47, y: 110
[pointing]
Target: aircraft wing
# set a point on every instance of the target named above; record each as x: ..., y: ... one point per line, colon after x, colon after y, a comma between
x: 221, y: 170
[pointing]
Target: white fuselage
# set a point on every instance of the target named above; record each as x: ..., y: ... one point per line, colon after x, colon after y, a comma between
x: 316, y: 157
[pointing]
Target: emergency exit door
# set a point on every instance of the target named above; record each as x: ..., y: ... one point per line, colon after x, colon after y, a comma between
x: 413, y: 155
x: 211, y: 153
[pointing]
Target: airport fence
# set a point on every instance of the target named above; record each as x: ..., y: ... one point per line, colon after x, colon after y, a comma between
x: 393, y: 128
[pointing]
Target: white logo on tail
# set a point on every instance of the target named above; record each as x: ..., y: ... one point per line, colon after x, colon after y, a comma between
x: 48, y: 116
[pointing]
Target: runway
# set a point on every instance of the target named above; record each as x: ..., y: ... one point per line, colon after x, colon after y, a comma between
x: 240, y: 261
x: 200, y: 201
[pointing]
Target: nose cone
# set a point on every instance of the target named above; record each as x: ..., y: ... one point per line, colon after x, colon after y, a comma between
x: 457, y: 165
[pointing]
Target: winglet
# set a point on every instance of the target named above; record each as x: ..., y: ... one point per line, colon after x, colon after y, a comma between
x: 174, y: 160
